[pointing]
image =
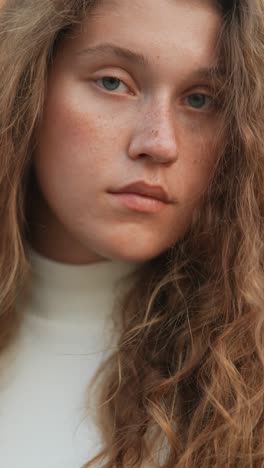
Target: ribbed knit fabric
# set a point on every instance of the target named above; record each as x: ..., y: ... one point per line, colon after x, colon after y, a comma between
x: 44, y: 422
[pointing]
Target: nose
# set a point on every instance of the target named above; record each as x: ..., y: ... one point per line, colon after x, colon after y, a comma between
x: 155, y: 135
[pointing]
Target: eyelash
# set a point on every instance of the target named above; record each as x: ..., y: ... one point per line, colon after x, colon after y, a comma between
x: 187, y: 97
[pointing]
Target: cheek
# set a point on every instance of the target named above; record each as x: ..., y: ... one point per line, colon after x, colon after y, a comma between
x: 71, y: 142
x: 195, y: 166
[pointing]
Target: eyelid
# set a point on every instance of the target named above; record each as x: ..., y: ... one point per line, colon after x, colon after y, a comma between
x: 204, y: 89
x: 200, y: 89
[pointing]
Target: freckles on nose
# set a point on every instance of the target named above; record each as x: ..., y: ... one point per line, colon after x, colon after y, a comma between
x: 155, y: 132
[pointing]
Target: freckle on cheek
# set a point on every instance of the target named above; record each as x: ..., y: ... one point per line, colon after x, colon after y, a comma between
x: 77, y: 125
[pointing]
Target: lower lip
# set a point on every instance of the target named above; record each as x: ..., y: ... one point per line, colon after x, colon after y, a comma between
x: 139, y: 202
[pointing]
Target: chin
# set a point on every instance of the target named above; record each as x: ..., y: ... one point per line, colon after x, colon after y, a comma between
x: 133, y: 255
x: 126, y: 247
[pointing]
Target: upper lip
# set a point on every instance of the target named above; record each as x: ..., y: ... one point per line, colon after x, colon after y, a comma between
x: 143, y: 188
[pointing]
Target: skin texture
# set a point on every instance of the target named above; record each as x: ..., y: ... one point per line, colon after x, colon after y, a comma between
x: 93, y: 139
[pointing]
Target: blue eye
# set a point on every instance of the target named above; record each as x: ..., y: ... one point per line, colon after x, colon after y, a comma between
x: 110, y: 83
x: 199, y: 101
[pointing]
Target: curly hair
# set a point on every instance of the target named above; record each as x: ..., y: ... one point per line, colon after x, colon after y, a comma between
x: 185, y: 385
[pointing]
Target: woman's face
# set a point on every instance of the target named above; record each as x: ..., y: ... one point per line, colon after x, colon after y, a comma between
x: 112, y: 118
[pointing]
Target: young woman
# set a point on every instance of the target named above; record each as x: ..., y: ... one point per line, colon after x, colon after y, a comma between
x: 166, y: 96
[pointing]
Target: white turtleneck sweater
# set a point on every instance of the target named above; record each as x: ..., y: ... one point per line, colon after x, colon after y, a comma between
x: 44, y: 421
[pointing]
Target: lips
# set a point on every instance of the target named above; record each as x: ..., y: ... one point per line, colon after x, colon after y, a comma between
x: 142, y: 188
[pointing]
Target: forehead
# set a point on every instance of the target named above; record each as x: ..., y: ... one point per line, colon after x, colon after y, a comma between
x: 164, y: 31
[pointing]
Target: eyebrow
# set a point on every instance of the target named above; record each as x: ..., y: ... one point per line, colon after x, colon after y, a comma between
x: 105, y: 49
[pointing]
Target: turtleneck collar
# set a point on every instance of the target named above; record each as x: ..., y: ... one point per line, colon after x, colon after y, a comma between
x: 71, y: 293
